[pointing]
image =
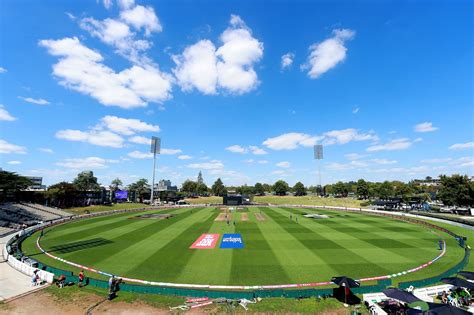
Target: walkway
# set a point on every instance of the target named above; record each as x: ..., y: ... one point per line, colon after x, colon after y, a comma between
x: 12, y: 282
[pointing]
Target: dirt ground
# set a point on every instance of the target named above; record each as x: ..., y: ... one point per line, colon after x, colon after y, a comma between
x: 222, y: 217
x: 244, y: 217
x: 41, y: 302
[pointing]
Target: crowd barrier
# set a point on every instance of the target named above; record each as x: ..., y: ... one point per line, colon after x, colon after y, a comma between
x: 292, y: 292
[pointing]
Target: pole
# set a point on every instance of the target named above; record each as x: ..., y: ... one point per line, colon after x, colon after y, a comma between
x: 319, y: 173
x: 153, y: 180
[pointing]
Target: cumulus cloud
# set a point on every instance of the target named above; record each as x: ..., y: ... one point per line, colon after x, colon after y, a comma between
x: 170, y: 151
x: 3, y: 70
x: 462, y: 146
x: 425, y: 127
x: 14, y: 162
x: 37, y: 101
x: 140, y: 140
x: 126, y: 126
x: 383, y: 161
x: 85, y: 163
x: 256, y: 150
x: 46, y: 150
x: 293, y: 140
x: 81, y: 69
x: 229, y: 67
x: 185, y: 157
x: 327, y: 54
x: 394, y: 145
x: 284, y: 164
x: 140, y: 155
x: 141, y: 17
x: 287, y: 60
x: 99, y: 138
x: 236, y: 149
x: 212, y: 165
x: 5, y: 115
x: 8, y: 148
x: 354, y: 156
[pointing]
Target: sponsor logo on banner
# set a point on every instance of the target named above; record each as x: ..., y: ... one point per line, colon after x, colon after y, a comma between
x: 206, y: 241
x: 232, y: 241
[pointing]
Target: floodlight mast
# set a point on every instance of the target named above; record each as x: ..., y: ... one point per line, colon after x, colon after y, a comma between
x: 155, y: 149
x: 318, y: 155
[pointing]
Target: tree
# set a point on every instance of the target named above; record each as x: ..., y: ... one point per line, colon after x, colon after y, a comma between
x: 299, y: 189
x: 267, y: 188
x: 86, y: 181
x: 385, y: 190
x: 456, y: 190
x: 218, y: 189
x: 362, y: 189
x: 245, y: 190
x: 12, y: 183
x: 140, y: 188
x: 281, y: 188
x: 340, y: 189
x: 259, y: 189
x: 62, y: 194
x: 402, y: 191
x: 189, y: 187
x: 115, y: 185
x: 201, y: 189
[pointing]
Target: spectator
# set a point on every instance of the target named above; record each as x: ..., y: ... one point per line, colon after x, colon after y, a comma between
x: 61, y: 281
x: 81, y: 279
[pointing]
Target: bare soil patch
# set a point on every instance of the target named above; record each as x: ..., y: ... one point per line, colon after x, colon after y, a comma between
x: 260, y: 217
x: 244, y: 217
x: 223, y: 217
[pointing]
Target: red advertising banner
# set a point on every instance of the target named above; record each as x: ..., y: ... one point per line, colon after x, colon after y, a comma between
x: 206, y: 241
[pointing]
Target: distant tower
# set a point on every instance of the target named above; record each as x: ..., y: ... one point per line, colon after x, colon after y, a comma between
x: 200, y: 180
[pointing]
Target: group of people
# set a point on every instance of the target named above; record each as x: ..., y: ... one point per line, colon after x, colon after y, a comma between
x: 35, y: 278
x: 61, y: 281
x: 456, y: 297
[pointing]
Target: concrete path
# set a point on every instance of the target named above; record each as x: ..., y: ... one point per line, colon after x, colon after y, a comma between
x: 12, y: 282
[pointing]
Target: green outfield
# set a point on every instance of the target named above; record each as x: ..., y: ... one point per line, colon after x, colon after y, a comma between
x: 277, y: 249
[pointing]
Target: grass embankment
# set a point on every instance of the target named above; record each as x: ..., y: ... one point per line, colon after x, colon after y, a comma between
x: 291, y: 200
x: 101, y: 208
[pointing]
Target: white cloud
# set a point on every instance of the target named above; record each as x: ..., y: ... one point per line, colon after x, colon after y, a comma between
x: 290, y: 141
x: 81, y: 69
x: 236, y: 149
x: 257, y: 151
x: 287, y: 60
x: 462, y: 146
x: 5, y: 115
x: 107, y: 3
x: 185, y: 157
x: 354, y: 156
x: 328, y: 53
x: 38, y: 101
x: 126, y: 4
x: 284, y: 164
x: 229, y: 67
x: 383, y: 161
x: 249, y: 161
x: 425, y: 127
x: 7, y: 148
x: 127, y: 126
x: 140, y: 155
x: 46, y: 150
x: 3, y: 70
x: 140, y: 140
x: 436, y: 161
x: 212, y: 165
x: 394, y: 145
x: 170, y: 151
x: 293, y: 140
x: 14, y: 162
x: 118, y: 34
x: 418, y: 139
x: 355, y: 110
x: 141, y: 17
x: 333, y: 166
x: 347, y: 135
x: 262, y: 162
x: 85, y: 163
x: 100, y: 138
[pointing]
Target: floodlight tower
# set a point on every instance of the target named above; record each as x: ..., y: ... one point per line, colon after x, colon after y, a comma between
x: 155, y: 149
x: 318, y: 155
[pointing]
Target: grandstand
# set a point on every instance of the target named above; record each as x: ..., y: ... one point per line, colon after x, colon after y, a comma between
x: 15, y: 216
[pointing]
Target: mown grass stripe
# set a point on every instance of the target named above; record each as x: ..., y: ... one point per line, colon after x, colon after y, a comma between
x: 173, y: 256
x: 258, y: 262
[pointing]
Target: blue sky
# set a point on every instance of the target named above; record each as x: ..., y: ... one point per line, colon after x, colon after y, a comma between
x: 240, y: 90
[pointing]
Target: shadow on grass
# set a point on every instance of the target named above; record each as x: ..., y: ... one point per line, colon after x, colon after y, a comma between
x: 75, y: 246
